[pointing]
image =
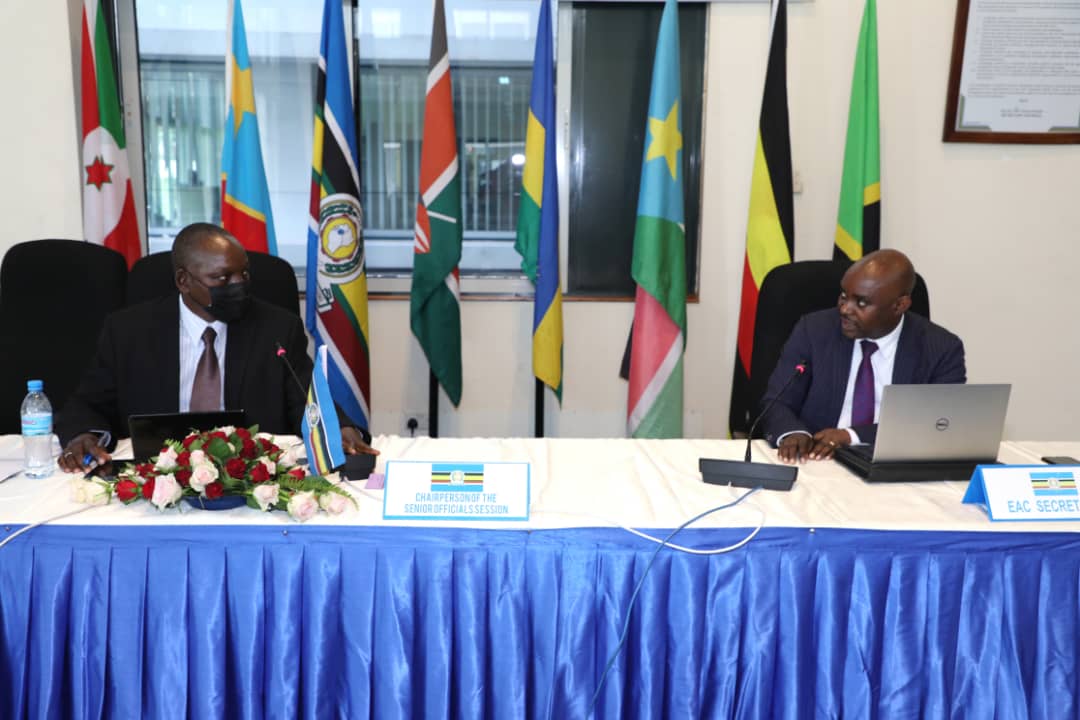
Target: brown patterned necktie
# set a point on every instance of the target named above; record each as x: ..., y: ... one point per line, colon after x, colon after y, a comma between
x: 206, y: 390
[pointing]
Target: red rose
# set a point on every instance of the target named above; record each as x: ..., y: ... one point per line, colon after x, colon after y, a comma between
x: 148, y: 489
x: 215, y: 490
x: 297, y: 473
x: 183, y: 477
x: 127, y: 490
x: 184, y: 458
x: 236, y: 468
x: 243, y: 433
x: 145, y: 469
x: 189, y: 440
x: 259, y: 473
x: 249, y: 451
x: 219, y: 434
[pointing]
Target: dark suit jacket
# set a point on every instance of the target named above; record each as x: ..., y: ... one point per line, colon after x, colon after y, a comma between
x: 137, y: 370
x: 925, y: 354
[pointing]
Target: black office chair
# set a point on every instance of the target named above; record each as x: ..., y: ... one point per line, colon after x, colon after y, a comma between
x: 272, y: 280
x: 789, y: 292
x: 54, y: 296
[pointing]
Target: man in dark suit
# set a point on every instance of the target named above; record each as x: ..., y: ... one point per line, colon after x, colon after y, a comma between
x: 211, y: 348
x: 850, y: 355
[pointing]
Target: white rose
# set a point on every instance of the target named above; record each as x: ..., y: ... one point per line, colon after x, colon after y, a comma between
x: 166, y: 460
x: 89, y: 492
x: 202, y: 475
x: 270, y: 465
x: 266, y: 495
x: 290, y: 457
x: 303, y: 506
x: 227, y: 429
x: 166, y: 491
x: 333, y: 503
x: 78, y: 491
x: 198, y: 457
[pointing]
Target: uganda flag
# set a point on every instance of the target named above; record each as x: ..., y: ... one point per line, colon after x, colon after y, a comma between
x: 538, y: 219
x: 108, y: 201
x: 858, y: 223
x: 337, y: 298
x: 655, y: 401
x: 435, y: 311
x: 770, y: 228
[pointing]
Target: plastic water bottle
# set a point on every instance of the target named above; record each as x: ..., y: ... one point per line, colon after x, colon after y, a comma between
x: 37, y: 430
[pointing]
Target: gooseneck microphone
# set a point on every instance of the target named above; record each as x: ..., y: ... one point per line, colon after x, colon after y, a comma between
x: 800, y: 369
x: 285, y: 359
x: 748, y: 474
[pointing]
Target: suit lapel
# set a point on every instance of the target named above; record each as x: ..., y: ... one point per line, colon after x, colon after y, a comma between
x: 238, y: 346
x: 907, y: 352
x: 167, y: 352
x: 841, y: 370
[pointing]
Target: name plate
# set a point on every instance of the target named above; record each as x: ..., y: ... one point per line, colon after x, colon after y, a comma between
x: 456, y: 491
x: 1026, y: 492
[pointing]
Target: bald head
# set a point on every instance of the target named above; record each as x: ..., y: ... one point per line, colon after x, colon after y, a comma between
x: 875, y: 294
x: 196, y: 238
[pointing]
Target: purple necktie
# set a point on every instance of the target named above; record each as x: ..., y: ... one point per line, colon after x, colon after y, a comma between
x: 862, y: 400
x: 206, y: 390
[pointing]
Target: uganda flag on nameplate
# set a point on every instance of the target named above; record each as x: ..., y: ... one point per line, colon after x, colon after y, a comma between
x: 457, y: 477
x: 1053, y: 483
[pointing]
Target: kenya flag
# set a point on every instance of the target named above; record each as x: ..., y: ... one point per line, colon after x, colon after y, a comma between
x: 108, y: 202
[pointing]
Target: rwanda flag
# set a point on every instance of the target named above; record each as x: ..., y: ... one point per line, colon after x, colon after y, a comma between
x: 655, y: 401
x: 245, y: 199
x: 538, y: 219
x: 858, y: 223
x: 770, y: 228
x: 322, y: 433
x: 337, y: 309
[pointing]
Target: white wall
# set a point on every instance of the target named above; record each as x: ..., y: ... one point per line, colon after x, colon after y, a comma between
x: 989, y: 226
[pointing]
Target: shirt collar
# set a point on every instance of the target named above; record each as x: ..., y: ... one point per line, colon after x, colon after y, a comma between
x: 887, y: 343
x: 194, y: 326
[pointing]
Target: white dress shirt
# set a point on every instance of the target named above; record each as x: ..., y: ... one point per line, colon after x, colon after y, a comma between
x: 882, y: 361
x: 192, y: 328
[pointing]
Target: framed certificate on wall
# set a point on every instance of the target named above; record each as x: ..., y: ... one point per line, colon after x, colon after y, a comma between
x: 1015, y: 73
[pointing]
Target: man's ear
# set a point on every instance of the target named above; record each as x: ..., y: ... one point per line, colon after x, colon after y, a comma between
x: 902, y: 304
x: 180, y: 277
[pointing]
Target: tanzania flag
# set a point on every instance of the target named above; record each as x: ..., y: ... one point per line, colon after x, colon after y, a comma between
x: 457, y: 477
x: 435, y: 312
x: 337, y: 309
x: 108, y: 201
x: 655, y: 404
x: 770, y: 229
x: 538, y: 219
x: 858, y: 223
x: 322, y: 432
x: 245, y: 199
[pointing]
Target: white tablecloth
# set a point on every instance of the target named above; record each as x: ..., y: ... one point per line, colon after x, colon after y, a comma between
x: 590, y: 482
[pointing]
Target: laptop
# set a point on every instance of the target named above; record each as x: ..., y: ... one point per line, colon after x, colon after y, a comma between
x: 931, y: 432
x: 149, y: 432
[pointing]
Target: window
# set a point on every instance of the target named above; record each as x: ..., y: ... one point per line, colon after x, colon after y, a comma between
x: 181, y: 63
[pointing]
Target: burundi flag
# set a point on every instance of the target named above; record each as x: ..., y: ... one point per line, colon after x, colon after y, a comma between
x: 655, y: 404
x: 435, y: 313
x: 108, y: 201
x: 538, y: 219
x: 858, y: 223
x: 322, y: 432
x: 770, y: 227
x: 337, y: 310
x: 245, y: 199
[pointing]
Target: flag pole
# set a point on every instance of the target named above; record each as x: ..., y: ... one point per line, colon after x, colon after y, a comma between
x: 538, y: 426
x: 433, y: 404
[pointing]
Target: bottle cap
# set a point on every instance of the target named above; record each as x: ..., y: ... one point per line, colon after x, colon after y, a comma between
x: 34, y: 385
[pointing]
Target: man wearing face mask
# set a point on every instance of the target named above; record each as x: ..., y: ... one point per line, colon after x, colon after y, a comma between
x: 212, y: 347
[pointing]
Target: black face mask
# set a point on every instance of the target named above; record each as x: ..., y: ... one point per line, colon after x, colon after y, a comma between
x: 227, y: 302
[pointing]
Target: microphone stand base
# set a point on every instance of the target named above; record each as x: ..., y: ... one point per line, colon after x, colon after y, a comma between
x: 747, y: 474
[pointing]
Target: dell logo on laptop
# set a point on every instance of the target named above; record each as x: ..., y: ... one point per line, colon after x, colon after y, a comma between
x: 942, y: 424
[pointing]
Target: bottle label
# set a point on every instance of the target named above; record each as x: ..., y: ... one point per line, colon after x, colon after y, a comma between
x: 37, y: 425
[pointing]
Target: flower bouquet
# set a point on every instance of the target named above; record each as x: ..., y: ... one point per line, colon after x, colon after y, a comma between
x: 221, y: 468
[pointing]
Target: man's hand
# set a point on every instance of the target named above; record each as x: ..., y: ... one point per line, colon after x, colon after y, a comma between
x: 71, y: 460
x: 794, y: 448
x: 353, y: 442
x: 826, y: 442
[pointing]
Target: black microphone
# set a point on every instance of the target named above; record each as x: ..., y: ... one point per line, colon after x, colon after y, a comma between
x: 285, y: 359
x: 748, y: 474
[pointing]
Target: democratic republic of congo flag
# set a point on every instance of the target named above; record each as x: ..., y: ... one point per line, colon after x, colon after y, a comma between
x: 655, y: 402
x: 858, y: 223
x: 538, y: 219
x: 337, y: 309
x: 322, y: 432
x: 435, y: 309
x: 770, y: 227
x: 245, y: 199
x: 108, y: 200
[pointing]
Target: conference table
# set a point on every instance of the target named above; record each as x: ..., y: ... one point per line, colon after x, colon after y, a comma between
x: 837, y: 599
